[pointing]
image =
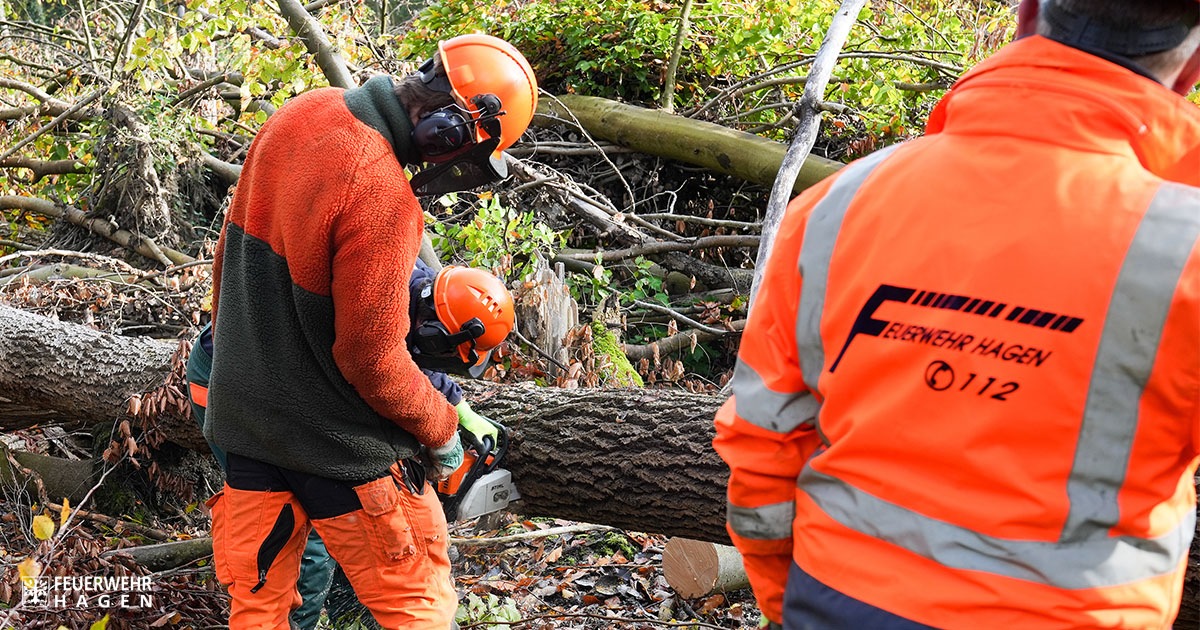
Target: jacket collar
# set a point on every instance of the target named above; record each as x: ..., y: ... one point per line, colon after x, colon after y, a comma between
x: 375, y: 104
x: 1042, y: 90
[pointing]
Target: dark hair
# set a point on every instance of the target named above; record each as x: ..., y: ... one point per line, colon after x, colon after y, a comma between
x: 417, y: 97
x: 1133, y: 16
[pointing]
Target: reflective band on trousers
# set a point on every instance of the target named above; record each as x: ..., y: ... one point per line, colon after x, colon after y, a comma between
x: 765, y: 408
x: 199, y: 394
x: 769, y: 522
x: 1085, y: 556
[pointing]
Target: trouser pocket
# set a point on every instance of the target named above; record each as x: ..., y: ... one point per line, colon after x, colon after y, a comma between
x: 394, y: 552
x: 387, y: 521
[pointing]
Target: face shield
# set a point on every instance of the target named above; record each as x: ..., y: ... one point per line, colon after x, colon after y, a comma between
x: 474, y: 166
x: 460, y: 144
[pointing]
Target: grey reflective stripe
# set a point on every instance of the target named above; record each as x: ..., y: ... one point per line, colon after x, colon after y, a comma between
x: 1094, y: 563
x: 820, y: 236
x: 769, y: 522
x: 768, y: 409
x: 1133, y: 326
x: 1085, y: 556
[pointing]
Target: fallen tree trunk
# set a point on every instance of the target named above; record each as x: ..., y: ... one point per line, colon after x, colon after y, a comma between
x: 67, y: 374
x: 53, y: 372
x: 637, y: 459
x: 655, y: 132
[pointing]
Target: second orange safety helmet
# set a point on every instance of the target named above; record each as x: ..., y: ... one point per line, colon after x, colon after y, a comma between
x: 479, y: 64
x: 461, y: 294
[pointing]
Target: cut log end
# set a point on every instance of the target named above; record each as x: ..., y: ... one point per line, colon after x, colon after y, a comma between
x: 697, y: 569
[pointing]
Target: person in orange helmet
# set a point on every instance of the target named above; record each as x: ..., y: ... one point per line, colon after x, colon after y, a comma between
x: 321, y: 410
x: 968, y: 395
x: 465, y: 295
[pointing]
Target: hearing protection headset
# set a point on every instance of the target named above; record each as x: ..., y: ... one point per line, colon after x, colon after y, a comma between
x: 462, y: 315
x: 464, y: 142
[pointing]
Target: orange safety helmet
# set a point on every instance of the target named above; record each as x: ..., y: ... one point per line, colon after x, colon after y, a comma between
x: 461, y: 294
x: 479, y: 64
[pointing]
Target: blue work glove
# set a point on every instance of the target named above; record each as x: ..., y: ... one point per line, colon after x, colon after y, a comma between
x: 478, y: 426
x: 445, y: 459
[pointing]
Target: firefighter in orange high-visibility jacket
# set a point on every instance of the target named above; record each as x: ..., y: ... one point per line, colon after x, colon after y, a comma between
x: 968, y: 395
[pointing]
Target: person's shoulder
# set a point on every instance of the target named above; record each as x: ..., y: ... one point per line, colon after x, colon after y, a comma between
x: 321, y: 107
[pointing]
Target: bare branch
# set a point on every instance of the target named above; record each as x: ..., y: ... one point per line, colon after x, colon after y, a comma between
x: 310, y: 31
x: 679, y: 317
x: 127, y: 41
x: 661, y: 247
x: 42, y: 168
x: 589, y: 210
x: 737, y: 225
x: 29, y: 89
x: 131, y: 240
x: 675, y: 343
x: 229, y: 173
x: 806, y: 131
x: 668, y: 93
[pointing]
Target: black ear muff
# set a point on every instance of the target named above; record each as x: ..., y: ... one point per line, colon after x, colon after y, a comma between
x: 442, y: 131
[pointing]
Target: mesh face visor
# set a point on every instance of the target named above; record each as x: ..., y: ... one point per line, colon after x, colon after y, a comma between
x: 475, y: 167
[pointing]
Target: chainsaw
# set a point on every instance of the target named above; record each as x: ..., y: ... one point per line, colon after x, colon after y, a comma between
x: 479, y: 486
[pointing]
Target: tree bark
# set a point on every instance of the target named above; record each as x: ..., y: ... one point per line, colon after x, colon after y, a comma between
x: 70, y: 374
x: 53, y: 372
x: 637, y: 459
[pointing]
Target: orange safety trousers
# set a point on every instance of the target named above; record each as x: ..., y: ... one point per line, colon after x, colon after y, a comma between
x: 388, y: 534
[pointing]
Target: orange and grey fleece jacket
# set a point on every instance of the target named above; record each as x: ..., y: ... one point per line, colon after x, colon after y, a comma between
x: 310, y: 298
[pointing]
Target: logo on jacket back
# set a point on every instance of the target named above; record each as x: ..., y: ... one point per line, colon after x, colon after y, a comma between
x: 867, y: 324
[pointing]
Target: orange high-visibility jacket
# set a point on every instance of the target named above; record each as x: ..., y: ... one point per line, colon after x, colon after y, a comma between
x: 969, y: 390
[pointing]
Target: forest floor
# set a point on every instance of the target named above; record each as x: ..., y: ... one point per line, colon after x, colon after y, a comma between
x: 510, y: 571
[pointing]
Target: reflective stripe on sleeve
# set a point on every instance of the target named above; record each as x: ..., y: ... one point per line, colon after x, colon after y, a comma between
x: 763, y: 407
x: 1133, y: 326
x: 769, y: 522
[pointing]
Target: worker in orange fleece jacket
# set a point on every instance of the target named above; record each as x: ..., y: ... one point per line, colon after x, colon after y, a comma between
x: 314, y: 395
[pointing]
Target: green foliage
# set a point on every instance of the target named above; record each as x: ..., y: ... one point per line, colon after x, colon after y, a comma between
x: 592, y: 287
x: 498, y: 238
x: 647, y: 287
x: 618, y: 48
x: 475, y: 610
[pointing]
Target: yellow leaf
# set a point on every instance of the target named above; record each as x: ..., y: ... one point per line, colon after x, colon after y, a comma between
x: 29, y: 569
x: 100, y: 625
x: 65, y: 512
x: 43, y: 527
